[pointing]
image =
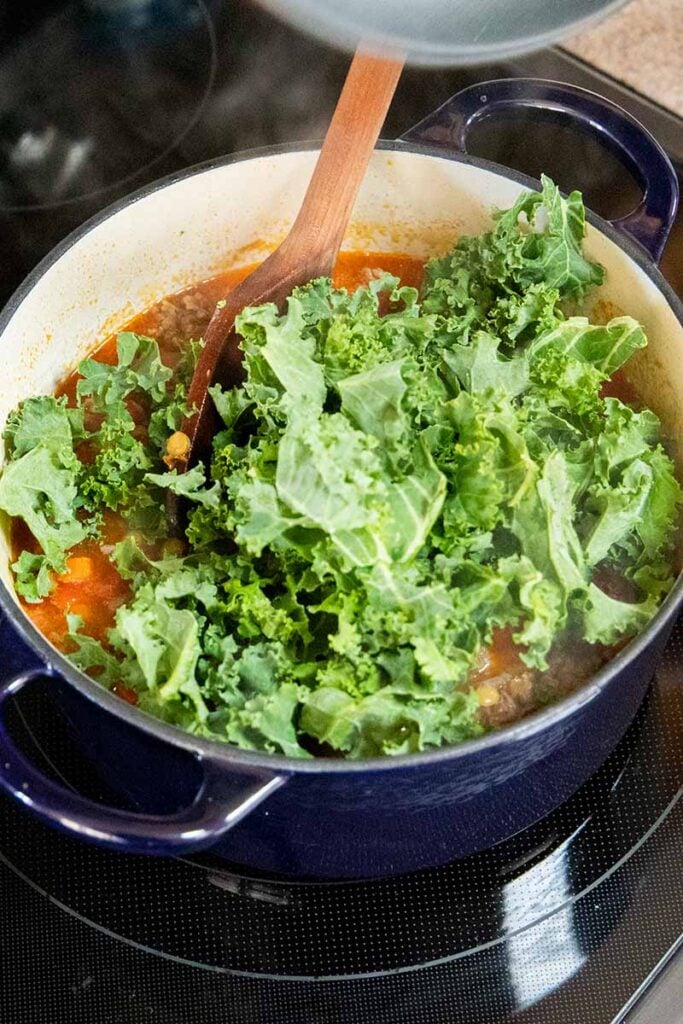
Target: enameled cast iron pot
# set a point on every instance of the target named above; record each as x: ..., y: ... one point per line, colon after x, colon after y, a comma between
x: 327, y: 818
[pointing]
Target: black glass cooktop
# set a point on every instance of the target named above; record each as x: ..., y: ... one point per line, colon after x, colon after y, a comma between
x: 575, y: 920
x: 566, y: 921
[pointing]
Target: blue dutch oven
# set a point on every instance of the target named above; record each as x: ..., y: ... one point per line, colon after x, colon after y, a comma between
x: 329, y: 818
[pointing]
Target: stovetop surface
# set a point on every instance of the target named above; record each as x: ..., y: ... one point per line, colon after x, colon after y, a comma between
x: 572, y: 920
x: 569, y: 917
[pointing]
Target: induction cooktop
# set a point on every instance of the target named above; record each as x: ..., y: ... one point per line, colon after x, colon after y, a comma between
x: 577, y: 919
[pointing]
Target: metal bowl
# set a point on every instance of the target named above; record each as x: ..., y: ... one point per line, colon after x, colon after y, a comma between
x: 443, y: 32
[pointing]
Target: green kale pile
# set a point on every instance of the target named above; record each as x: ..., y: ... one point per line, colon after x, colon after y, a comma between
x: 386, y: 491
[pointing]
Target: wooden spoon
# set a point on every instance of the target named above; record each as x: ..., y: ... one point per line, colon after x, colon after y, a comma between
x: 310, y: 249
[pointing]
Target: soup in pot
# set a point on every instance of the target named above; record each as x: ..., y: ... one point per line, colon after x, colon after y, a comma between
x: 435, y: 504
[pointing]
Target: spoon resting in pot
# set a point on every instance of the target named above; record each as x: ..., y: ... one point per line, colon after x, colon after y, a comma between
x: 310, y: 249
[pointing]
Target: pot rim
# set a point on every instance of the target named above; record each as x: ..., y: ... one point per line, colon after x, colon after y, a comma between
x: 56, y: 664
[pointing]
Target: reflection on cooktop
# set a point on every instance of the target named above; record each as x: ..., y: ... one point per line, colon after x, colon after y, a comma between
x: 113, y: 97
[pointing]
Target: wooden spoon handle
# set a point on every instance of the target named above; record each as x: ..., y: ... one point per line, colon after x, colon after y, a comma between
x: 310, y: 249
x: 354, y: 129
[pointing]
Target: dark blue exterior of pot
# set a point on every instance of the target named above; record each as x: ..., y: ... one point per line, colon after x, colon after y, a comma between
x: 371, y: 822
x: 329, y: 818
x: 376, y: 819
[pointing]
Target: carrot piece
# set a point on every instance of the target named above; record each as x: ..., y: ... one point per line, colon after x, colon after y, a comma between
x: 78, y: 569
x: 125, y: 693
x: 80, y: 608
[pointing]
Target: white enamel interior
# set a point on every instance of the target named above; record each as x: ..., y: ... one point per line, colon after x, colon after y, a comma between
x: 194, y: 228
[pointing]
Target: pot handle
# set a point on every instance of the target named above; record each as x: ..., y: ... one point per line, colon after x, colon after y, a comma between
x: 218, y: 805
x: 651, y: 221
